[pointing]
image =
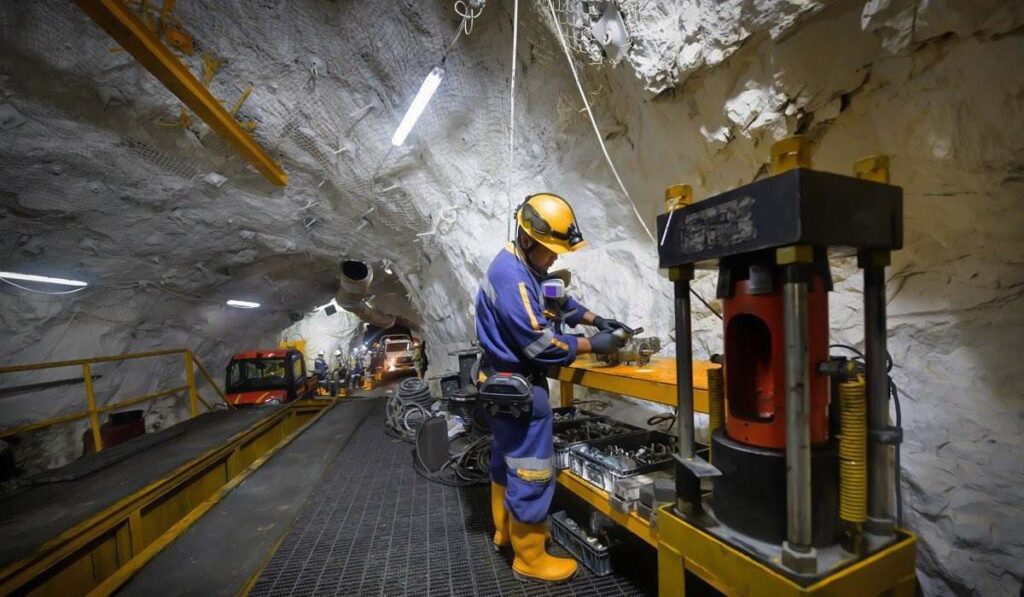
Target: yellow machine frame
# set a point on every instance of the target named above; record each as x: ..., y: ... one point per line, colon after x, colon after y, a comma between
x: 682, y: 547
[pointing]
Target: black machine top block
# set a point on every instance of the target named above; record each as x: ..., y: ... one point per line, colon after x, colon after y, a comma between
x: 800, y: 206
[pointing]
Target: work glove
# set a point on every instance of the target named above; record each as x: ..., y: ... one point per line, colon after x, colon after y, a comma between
x: 605, y: 343
x: 610, y: 325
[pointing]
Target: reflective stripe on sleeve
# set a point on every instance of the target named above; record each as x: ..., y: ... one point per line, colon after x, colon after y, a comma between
x: 526, y: 305
x: 537, y: 346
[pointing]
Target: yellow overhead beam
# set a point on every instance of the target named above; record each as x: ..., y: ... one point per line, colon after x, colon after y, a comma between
x: 141, y: 42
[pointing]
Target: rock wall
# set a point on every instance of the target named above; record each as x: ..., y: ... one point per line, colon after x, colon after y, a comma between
x: 935, y: 85
x: 104, y: 180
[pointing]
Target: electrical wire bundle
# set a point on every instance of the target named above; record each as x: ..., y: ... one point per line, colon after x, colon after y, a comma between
x: 470, y: 466
x: 407, y: 409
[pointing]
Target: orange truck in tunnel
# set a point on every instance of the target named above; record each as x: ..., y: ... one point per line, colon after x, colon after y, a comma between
x: 268, y: 378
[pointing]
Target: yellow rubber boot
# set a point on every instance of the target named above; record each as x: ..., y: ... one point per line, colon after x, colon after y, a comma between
x: 532, y: 561
x: 500, y: 516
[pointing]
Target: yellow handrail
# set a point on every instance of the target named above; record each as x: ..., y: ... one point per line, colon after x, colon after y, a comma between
x: 94, y: 411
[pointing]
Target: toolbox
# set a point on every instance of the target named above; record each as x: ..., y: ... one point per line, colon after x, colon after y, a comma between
x: 608, y: 462
x: 569, y: 433
x: 591, y: 551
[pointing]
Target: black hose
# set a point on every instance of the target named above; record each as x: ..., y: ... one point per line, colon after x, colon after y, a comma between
x: 468, y: 468
x: 899, y: 428
x: 412, y: 398
x: 661, y: 418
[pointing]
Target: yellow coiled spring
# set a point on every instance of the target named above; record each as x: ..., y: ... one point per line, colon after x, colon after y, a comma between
x: 853, y: 451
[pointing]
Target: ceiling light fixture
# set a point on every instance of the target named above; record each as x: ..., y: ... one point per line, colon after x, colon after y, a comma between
x: 43, y: 279
x: 427, y: 89
x: 242, y: 304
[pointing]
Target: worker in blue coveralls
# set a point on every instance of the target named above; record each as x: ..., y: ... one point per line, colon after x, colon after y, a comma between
x: 517, y: 337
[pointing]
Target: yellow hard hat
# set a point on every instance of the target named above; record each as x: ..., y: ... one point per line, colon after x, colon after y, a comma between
x: 549, y: 220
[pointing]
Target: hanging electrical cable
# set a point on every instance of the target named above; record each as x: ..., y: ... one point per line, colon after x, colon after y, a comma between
x: 604, y: 150
x: 512, y: 118
x: 593, y: 123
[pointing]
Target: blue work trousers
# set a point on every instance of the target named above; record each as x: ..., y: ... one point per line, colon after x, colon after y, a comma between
x: 522, y: 459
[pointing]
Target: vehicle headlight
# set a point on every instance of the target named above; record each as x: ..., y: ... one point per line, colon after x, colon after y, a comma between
x: 272, y: 402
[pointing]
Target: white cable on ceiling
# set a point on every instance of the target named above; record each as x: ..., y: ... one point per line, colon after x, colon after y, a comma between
x: 512, y: 118
x: 593, y: 122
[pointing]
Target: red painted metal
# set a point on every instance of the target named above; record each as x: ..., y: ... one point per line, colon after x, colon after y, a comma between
x: 755, y: 375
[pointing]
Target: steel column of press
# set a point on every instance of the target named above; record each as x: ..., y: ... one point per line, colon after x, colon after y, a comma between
x: 798, y: 416
x: 880, y: 475
x: 684, y: 362
x: 797, y: 553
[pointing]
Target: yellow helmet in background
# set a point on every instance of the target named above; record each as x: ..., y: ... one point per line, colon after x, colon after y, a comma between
x: 549, y: 220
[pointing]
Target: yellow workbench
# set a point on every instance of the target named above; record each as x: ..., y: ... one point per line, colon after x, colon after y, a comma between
x: 654, y: 382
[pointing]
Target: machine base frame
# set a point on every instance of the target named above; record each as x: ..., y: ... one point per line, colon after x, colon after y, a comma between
x: 683, y: 547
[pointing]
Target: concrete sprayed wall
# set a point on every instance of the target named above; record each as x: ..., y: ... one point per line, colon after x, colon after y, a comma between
x: 100, y: 181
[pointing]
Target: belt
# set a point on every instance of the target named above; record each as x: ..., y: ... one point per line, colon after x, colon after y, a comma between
x: 534, y: 374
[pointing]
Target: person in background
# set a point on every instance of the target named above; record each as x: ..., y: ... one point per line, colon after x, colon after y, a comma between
x: 320, y: 365
x: 356, y: 376
x: 419, y: 359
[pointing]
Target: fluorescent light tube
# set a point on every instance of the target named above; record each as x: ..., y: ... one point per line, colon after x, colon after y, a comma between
x: 44, y: 279
x: 242, y: 304
x: 427, y: 89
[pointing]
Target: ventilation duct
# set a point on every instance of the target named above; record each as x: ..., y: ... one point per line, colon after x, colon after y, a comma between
x: 355, y: 278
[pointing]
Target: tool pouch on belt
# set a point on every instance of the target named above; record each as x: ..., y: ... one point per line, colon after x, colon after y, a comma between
x: 509, y: 394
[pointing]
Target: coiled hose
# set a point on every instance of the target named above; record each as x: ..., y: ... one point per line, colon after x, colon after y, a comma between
x: 407, y: 408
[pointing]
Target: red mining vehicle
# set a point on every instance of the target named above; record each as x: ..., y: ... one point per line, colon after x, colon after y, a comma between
x: 268, y: 378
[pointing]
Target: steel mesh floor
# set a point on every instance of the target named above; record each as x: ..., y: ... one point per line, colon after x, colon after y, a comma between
x: 375, y: 527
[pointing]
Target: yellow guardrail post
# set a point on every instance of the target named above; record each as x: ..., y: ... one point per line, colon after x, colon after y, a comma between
x: 190, y: 378
x: 94, y: 414
x: 209, y: 378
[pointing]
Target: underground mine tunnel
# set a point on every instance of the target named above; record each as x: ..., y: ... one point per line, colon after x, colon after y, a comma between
x: 490, y: 297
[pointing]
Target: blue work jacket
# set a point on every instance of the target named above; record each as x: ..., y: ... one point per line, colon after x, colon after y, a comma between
x: 511, y: 324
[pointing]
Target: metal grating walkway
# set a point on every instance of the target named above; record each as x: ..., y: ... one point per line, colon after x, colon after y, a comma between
x: 374, y: 527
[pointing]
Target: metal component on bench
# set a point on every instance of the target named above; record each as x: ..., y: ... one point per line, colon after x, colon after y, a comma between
x: 635, y: 350
x: 797, y: 552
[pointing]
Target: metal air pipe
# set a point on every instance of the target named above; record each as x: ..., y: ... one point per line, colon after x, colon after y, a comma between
x: 354, y: 284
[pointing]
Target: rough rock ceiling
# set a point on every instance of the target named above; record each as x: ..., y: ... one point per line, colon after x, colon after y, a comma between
x: 96, y: 185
